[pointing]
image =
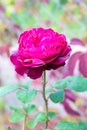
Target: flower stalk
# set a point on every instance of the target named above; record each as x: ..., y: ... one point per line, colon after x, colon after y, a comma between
x: 24, y: 124
x: 44, y: 97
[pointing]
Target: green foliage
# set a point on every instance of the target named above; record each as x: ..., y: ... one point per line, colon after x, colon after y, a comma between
x: 61, y: 84
x: 29, y: 108
x: 57, y: 96
x: 56, y: 14
x: 40, y: 117
x: 49, y: 90
x: 76, y: 83
x: 7, y: 89
x: 32, y: 124
x: 17, y: 116
x: 51, y: 115
x: 25, y: 95
x: 64, y: 125
x: 16, y: 108
x: 26, y: 85
x: 83, y: 126
x: 2, y: 104
x: 63, y: 2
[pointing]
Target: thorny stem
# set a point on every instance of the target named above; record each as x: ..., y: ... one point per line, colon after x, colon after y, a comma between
x: 44, y: 97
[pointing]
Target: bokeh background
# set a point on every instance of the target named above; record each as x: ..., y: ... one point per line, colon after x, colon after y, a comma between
x: 64, y: 16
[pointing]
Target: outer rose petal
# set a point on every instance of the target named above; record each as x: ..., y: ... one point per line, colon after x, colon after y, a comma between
x: 21, y: 70
x: 53, y: 66
x: 35, y: 73
x: 14, y: 60
x: 61, y: 59
x: 66, y: 51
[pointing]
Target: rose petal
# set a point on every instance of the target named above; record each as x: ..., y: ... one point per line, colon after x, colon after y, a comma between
x: 59, y: 61
x: 66, y: 51
x: 33, y: 62
x: 21, y: 70
x: 14, y: 58
x: 35, y: 73
x: 57, y: 66
x: 54, y: 66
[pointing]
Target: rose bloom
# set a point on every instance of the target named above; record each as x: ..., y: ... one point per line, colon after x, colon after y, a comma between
x: 39, y: 50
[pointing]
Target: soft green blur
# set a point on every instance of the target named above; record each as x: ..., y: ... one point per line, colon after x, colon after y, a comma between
x: 65, y: 16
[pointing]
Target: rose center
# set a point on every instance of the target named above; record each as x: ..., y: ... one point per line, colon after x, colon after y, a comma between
x: 36, y: 41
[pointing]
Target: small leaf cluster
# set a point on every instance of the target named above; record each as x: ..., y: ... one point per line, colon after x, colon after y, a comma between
x: 41, y: 117
x: 75, y: 83
x: 25, y: 94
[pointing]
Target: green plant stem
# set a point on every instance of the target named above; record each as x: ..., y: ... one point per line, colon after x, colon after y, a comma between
x: 24, y: 123
x: 44, y: 97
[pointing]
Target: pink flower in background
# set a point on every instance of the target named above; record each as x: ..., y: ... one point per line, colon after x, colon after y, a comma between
x: 39, y: 50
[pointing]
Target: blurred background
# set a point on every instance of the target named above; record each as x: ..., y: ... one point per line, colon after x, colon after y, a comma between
x: 64, y: 16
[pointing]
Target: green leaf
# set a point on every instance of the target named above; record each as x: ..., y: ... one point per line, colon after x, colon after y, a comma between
x: 30, y: 108
x: 61, y: 84
x: 26, y: 85
x: 26, y: 96
x: 48, y: 90
x: 51, y: 114
x: 83, y: 126
x: 78, y: 84
x: 15, y: 108
x: 7, y: 89
x: 2, y: 104
x: 57, y: 96
x: 64, y: 125
x: 63, y: 2
x: 32, y: 124
x: 17, y: 117
x: 41, y: 117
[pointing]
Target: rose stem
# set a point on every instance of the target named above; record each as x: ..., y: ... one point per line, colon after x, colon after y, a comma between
x: 44, y: 97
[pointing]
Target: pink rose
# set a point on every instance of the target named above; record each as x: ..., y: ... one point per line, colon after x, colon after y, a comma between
x: 39, y: 50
